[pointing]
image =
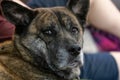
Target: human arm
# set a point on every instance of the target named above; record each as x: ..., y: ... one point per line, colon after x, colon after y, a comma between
x: 104, y: 15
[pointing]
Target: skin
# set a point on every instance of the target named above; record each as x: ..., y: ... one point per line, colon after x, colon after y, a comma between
x: 105, y: 16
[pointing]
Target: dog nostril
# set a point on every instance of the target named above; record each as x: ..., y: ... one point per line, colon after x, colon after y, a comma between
x: 75, y: 50
x: 79, y: 48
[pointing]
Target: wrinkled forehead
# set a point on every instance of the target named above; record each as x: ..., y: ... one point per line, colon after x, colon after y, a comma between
x: 55, y: 16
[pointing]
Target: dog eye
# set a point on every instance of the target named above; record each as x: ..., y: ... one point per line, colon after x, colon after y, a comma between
x: 74, y: 30
x: 49, y: 32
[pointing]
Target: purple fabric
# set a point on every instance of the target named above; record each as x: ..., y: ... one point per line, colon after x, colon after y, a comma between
x: 104, y: 40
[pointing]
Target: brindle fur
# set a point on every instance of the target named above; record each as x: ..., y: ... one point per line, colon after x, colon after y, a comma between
x: 43, y: 44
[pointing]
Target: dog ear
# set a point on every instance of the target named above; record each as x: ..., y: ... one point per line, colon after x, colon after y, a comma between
x: 17, y: 13
x: 79, y: 8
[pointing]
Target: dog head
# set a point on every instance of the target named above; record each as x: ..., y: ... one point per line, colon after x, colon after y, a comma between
x: 52, y: 37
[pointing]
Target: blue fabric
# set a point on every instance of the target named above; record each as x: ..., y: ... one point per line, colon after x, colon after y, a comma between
x: 99, y: 67
x: 46, y: 3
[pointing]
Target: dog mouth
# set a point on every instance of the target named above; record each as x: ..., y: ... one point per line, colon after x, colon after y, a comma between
x: 69, y: 66
x: 70, y: 71
x: 73, y: 64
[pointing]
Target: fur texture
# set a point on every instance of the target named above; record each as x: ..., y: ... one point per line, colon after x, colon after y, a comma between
x: 47, y: 41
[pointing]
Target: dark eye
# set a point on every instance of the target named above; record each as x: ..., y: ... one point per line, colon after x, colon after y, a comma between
x: 49, y: 32
x: 75, y: 30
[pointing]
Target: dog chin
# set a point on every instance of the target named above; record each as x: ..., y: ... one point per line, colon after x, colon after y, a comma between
x: 74, y: 73
x: 69, y: 74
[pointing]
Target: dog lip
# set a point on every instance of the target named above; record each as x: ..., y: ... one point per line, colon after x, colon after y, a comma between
x: 69, y: 66
x: 74, y: 64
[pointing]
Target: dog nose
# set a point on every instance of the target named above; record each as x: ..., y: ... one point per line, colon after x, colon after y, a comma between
x: 75, y: 50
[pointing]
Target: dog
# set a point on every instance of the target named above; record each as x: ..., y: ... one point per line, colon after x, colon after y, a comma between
x: 48, y: 45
